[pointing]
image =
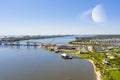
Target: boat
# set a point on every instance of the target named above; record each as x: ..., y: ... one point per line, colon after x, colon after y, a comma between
x: 56, y: 51
x: 67, y: 56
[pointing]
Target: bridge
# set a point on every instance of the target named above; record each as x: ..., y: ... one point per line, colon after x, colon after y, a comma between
x: 27, y: 43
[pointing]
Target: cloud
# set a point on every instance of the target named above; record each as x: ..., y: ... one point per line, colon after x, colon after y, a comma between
x: 86, y: 16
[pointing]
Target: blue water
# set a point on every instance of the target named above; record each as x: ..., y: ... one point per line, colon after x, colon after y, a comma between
x: 35, y: 63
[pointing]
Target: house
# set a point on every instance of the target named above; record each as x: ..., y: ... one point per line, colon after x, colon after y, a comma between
x: 83, y: 50
x: 68, y: 47
x: 0, y: 43
x: 110, y: 47
x: 90, y: 48
x: 111, y: 57
x: 78, y: 48
x: 0, y: 39
x: 105, y: 61
x: 99, y: 49
x: 83, y: 38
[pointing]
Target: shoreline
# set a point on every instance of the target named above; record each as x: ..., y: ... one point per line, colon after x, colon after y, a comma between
x: 97, y: 73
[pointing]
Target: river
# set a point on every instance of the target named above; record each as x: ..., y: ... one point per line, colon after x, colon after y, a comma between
x: 35, y: 63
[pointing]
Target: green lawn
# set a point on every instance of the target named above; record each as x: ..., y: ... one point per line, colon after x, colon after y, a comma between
x: 115, y: 75
x: 116, y: 50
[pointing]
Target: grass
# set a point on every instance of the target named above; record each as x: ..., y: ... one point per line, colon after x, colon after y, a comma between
x: 115, y: 75
x: 97, y: 58
x: 108, y: 72
x: 116, y: 50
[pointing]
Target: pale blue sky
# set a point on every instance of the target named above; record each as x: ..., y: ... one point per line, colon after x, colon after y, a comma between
x: 30, y: 17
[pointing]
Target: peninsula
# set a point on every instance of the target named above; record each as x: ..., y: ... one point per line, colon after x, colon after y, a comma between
x: 103, y: 51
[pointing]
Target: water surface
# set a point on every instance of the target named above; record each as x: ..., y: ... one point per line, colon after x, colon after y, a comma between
x: 35, y: 63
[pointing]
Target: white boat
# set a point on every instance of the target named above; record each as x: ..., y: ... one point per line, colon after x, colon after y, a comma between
x: 66, y: 56
x: 105, y: 61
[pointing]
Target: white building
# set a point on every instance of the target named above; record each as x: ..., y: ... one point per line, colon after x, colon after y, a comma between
x: 83, y: 50
x: 90, y: 48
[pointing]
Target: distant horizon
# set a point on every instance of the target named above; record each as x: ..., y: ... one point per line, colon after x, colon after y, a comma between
x: 53, y: 34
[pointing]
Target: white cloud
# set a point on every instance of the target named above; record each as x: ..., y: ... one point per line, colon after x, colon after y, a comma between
x: 86, y: 16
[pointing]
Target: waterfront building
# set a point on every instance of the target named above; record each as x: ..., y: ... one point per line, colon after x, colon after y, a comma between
x: 83, y: 50
x: 68, y: 47
x: 90, y: 48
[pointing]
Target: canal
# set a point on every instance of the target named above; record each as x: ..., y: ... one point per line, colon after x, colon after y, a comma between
x: 35, y: 63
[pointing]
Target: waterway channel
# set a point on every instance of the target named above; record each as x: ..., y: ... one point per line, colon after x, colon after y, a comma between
x: 35, y: 63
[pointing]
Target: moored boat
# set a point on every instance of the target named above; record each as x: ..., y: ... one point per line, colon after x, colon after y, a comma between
x: 65, y: 55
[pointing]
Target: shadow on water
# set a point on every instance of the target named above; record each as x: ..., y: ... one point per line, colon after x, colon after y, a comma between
x: 73, y: 57
x: 65, y: 58
x: 76, y: 57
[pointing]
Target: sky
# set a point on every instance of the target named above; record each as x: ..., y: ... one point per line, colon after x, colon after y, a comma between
x: 49, y: 17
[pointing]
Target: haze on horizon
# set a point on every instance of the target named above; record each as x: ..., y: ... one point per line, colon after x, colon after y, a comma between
x: 48, y: 17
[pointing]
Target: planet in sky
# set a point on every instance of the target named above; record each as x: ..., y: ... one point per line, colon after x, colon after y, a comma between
x: 98, y: 14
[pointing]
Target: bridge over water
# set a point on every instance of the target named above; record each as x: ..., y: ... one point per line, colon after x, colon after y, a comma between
x: 26, y: 43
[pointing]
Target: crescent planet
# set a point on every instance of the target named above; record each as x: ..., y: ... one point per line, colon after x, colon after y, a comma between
x: 98, y: 14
